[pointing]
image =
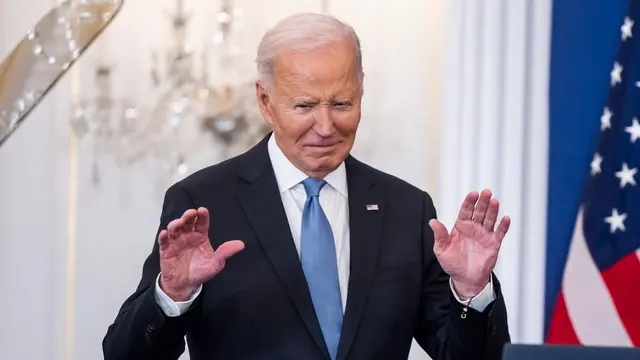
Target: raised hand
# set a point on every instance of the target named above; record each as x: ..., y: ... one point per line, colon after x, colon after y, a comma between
x: 187, y: 259
x: 470, y: 251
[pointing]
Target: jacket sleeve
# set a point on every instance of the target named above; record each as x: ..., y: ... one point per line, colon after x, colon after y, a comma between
x: 141, y: 330
x: 447, y: 329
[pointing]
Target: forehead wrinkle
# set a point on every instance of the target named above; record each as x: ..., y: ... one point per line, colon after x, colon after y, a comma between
x: 292, y: 83
x: 293, y: 78
x: 302, y: 89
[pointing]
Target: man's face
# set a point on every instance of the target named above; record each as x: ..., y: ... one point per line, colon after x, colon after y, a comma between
x: 314, y: 106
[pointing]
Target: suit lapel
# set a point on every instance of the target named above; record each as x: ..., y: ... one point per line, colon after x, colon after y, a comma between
x: 258, y: 193
x: 366, y: 233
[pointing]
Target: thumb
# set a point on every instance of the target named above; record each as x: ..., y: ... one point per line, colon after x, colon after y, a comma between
x: 440, y: 234
x: 229, y: 248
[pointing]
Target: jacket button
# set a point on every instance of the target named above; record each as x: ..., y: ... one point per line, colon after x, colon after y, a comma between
x: 149, y: 331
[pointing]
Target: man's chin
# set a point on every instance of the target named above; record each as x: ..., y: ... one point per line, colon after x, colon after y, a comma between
x: 323, y: 166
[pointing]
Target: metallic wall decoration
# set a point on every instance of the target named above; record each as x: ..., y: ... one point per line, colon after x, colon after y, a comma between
x: 45, y: 54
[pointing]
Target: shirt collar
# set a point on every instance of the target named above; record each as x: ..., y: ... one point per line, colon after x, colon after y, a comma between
x: 288, y: 176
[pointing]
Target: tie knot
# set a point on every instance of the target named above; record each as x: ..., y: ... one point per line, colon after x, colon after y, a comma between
x: 313, y: 186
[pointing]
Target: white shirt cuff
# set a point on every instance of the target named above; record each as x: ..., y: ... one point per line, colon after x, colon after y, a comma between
x: 480, y: 301
x: 169, y: 307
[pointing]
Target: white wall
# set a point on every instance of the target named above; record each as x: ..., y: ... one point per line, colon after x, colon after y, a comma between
x: 32, y: 215
x: 403, y: 58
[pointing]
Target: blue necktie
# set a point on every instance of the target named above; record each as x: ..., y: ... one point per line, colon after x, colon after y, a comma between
x: 318, y: 257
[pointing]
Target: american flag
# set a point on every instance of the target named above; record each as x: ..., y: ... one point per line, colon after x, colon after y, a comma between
x: 599, y: 303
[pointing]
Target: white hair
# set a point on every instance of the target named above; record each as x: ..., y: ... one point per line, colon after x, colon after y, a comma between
x: 301, y: 33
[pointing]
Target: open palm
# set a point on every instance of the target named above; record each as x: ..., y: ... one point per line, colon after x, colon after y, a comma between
x: 187, y: 258
x: 469, y: 252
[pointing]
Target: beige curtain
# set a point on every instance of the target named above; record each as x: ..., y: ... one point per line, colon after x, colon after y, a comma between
x: 494, y: 135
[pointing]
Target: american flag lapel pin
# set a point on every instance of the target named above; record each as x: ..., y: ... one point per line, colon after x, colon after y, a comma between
x: 372, y: 207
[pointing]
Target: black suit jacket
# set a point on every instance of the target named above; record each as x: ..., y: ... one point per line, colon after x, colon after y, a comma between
x: 259, y: 306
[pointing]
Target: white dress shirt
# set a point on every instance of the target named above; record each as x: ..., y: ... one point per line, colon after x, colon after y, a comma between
x: 334, y: 202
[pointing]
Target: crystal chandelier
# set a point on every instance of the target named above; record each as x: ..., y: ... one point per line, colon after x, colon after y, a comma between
x: 173, y: 133
x: 231, y: 111
x: 110, y: 121
x: 191, y: 110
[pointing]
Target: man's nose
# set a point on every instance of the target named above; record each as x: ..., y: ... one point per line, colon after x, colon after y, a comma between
x: 324, y: 121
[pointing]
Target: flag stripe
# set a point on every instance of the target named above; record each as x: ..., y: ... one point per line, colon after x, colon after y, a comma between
x: 621, y: 280
x: 587, y: 299
x: 561, y: 329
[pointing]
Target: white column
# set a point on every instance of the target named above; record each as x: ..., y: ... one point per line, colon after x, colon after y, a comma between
x: 494, y: 136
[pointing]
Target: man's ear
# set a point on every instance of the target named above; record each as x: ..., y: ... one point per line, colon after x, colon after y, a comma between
x: 264, y: 102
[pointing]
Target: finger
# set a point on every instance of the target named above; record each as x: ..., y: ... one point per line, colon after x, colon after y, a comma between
x: 163, y: 240
x: 440, y: 234
x: 202, y: 223
x: 175, y: 228
x: 468, y: 205
x: 229, y: 248
x: 482, y: 206
x: 503, y: 227
x: 190, y: 217
x: 492, y: 215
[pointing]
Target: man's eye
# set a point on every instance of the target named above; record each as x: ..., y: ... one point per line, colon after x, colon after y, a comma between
x: 303, y: 106
x: 342, y: 105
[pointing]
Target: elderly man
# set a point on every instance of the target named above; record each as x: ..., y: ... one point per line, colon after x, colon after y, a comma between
x: 333, y: 259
